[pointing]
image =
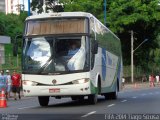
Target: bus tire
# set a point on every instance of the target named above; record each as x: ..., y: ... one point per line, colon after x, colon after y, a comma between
x: 92, y: 99
x: 114, y: 94
x: 43, y: 100
x: 106, y: 95
x: 111, y: 95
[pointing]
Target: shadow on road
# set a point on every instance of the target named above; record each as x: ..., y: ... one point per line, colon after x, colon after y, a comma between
x: 76, y: 103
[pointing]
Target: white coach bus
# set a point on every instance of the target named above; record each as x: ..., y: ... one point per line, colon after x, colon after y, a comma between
x: 70, y: 54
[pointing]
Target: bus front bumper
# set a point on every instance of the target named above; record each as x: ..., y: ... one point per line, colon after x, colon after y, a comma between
x: 61, y: 90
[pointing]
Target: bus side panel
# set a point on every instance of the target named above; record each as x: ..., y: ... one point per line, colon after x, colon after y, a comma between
x: 109, y: 82
x: 106, y: 67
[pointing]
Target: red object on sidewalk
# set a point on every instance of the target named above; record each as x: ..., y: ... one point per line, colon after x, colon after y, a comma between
x: 3, y: 101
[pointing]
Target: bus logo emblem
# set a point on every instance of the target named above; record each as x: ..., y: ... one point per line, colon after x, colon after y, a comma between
x: 54, y: 81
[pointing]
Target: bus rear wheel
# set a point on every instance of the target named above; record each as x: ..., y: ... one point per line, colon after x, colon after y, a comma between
x: 111, y: 95
x: 92, y: 99
x: 114, y: 94
x: 43, y: 100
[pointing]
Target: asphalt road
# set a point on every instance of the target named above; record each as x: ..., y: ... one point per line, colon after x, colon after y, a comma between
x: 129, y: 102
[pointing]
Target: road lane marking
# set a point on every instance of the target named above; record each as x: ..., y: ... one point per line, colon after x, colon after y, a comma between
x: 134, y: 97
x: 123, y: 100
x: 110, y: 105
x: 151, y: 93
x: 27, y: 107
x: 90, y: 113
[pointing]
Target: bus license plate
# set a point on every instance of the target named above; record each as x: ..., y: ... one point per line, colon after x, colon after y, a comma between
x: 54, y: 90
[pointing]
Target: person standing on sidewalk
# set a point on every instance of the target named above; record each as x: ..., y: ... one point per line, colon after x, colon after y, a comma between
x: 3, y: 82
x: 9, y: 82
x: 123, y: 82
x: 144, y: 78
x: 157, y: 79
x: 16, y: 84
x: 152, y: 81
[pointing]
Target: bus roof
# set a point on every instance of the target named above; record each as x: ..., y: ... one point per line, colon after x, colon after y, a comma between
x: 60, y: 14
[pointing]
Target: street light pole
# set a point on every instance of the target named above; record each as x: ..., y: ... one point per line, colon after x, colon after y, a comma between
x: 139, y: 45
x: 132, y: 54
x: 132, y: 41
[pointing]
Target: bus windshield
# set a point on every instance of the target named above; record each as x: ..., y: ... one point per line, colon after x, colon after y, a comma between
x: 44, y: 55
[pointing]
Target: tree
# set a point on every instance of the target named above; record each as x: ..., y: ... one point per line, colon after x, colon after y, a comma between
x: 141, y: 16
x: 12, y: 24
x: 51, y: 5
x: 92, y: 6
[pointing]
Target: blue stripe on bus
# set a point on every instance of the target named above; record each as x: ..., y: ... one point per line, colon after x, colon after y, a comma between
x: 104, y: 66
x: 119, y: 70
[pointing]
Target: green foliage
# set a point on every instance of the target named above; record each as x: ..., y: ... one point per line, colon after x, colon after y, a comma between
x: 125, y: 15
x: 92, y: 6
x: 141, y: 16
x: 50, y: 5
x: 12, y: 24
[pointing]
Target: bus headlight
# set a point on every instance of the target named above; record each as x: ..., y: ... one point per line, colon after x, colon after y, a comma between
x: 80, y: 81
x: 30, y: 83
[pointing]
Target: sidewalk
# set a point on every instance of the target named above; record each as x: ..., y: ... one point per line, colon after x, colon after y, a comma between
x: 135, y: 86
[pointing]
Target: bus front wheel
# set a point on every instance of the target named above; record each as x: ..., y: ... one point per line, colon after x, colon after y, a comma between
x: 43, y: 100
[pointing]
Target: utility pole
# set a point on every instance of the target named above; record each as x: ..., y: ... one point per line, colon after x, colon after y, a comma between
x: 132, y: 52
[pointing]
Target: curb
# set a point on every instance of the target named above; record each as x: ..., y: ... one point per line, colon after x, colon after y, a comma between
x: 139, y: 86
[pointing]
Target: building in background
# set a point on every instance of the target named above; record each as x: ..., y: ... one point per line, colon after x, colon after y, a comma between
x: 10, y: 6
x: 2, y: 6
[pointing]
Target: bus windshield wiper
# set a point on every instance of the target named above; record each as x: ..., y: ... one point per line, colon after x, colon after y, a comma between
x: 46, y: 64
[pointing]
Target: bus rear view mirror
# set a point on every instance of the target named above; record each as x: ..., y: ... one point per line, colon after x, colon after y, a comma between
x: 95, y: 47
x: 15, y: 49
x: 15, y: 45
